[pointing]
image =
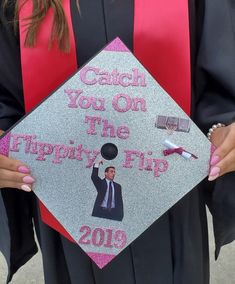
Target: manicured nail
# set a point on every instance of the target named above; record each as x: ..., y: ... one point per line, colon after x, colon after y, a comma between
x: 28, y: 179
x: 214, y: 171
x: 24, y: 170
x: 214, y: 160
x: 211, y: 178
x: 25, y: 187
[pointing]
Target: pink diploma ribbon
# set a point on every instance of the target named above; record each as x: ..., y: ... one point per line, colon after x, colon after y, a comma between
x: 179, y: 151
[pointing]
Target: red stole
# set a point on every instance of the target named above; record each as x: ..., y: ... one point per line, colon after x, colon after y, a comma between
x: 161, y: 43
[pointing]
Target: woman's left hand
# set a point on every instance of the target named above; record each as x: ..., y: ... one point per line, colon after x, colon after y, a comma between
x: 223, y: 158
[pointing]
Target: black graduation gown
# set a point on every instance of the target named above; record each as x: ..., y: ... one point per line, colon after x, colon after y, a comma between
x: 175, y: 248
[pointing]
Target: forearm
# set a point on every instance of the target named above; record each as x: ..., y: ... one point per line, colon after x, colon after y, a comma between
x: 94, y: 175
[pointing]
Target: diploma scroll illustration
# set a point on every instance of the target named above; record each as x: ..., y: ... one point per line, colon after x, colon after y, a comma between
x: 182, y: 152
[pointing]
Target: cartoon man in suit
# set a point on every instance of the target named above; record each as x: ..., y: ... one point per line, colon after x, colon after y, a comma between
x: 108, y: 204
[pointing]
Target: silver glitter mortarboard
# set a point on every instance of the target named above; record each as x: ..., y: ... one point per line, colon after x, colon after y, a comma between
x: 112, y: 104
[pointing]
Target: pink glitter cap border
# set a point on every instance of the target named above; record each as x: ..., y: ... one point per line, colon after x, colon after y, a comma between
x: 5, y: 144
x: 101, y: 259
x: 117, y: 45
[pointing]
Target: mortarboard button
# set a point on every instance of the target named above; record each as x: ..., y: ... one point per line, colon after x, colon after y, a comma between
x: 109, y: 151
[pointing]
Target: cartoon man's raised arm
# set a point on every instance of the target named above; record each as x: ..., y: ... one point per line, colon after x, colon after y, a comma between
x: 95, y: 175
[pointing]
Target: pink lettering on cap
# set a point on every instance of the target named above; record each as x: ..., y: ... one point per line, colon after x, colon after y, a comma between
x: 5, y: 144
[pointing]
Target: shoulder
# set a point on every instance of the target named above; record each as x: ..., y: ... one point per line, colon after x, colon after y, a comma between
x: 117, y: 185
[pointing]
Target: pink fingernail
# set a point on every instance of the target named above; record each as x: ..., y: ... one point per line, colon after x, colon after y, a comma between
x: 214, y: 171
x: 211, y: 178
x: 214, y: 160
x: 25, y: 187
x: 23, y: 170
x: 28, y: 179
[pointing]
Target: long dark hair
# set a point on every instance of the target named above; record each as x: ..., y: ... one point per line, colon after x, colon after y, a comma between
x: 60, y: 30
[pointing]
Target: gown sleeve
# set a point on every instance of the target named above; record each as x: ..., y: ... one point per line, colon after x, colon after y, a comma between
x: 215, y: 102
x: 11, y: 99
x: 16, y: 229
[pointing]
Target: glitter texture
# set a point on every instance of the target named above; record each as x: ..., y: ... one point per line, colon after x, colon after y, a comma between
x: 62, y: 138
x: 116, y: 45
x: 5, y: 144
x: 101, y: 259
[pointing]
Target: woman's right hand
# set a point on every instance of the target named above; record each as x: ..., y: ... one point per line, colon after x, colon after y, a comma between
x: 14, y: 174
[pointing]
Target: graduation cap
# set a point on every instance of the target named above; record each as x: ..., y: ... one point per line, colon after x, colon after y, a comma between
x: 113, y: 110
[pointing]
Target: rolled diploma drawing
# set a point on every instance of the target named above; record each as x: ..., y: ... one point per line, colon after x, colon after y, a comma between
x: 171, y: 145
